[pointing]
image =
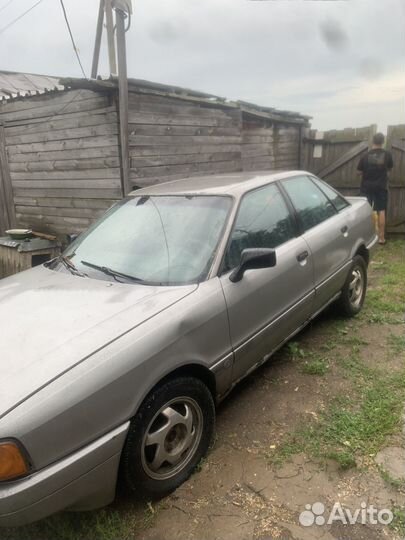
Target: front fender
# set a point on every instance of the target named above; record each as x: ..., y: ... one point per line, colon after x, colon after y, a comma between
x: 107, y: 389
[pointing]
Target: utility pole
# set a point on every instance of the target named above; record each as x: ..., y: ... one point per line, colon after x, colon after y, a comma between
x: 117, y: 52
x: 97, y: 45
x: 110, y: 36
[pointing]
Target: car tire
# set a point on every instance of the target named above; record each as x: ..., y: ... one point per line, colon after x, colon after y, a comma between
x: 171, y: 433
x: 354, y: 290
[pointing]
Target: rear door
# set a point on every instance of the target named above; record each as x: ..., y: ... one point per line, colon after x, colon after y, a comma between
x: 324, y: 218
x: 269, y: 304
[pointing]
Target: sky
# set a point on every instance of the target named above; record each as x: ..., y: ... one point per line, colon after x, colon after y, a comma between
x: 340, y: 61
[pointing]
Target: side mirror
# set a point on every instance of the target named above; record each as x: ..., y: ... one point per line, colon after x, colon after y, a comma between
x: 253, y: 259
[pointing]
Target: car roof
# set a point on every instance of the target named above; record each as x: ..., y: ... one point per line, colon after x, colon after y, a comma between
x: 234, y: 184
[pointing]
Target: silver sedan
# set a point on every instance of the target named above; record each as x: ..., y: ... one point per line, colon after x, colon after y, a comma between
x: 115, y: 355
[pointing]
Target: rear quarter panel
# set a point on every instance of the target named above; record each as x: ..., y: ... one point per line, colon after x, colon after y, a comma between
x: 362, y: 225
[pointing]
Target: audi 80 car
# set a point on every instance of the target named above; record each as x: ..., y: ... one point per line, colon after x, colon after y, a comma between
x: 115, y: 354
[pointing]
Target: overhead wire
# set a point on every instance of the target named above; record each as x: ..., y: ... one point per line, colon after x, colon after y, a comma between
x: 72, y: 38
x: 4, y: 6
x: 10, y: 24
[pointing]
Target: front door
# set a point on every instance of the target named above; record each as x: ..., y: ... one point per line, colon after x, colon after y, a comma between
x: 269, y: 304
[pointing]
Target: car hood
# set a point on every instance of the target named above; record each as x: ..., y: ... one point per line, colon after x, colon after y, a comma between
x: 50, y: 321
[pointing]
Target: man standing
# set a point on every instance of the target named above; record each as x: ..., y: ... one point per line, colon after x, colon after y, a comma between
x: 374, y: 168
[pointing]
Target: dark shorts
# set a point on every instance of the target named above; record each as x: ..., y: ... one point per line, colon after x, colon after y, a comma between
x: 377, y: 198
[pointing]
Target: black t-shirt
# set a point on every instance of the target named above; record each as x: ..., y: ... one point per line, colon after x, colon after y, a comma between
x: 375, y: 166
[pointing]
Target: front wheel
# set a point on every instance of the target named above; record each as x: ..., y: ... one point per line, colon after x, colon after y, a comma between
x: 354, y: 290
x: 168, y: 437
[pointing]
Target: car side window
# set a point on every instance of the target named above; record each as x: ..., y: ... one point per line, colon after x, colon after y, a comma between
x: 263, y: 221
x: 337, y: 200
x: 311, y: 204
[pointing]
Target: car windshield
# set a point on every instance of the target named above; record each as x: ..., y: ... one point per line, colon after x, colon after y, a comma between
x: 163, y: 240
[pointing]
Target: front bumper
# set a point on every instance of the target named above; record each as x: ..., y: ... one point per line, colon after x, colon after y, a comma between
x: 84, y: 480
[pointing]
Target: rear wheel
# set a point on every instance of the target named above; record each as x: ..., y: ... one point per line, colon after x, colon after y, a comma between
x: 354, y: 291
x: 168, y: 437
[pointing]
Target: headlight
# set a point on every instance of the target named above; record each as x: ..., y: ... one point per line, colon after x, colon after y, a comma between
x: 12, y: 461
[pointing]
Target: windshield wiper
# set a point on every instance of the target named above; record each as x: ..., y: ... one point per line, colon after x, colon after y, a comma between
x: 68, y: 264
x: 112, y: 273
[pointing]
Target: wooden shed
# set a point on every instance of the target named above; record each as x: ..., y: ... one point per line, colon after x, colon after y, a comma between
x: 61, y: 156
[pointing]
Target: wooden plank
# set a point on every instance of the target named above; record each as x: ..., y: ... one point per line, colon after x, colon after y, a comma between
x: 399, y: 145
x: 58, y: 123
x: 55, y: 202
x: 92, y: 213
x: 64, y: 134
x: 174, y: 150
x: 63, y: 155
x: 5, y: 182
x: 69, y: 193
x: 258, y: 151
x: 168, y: 106
x: 135, y: 140
x: 90, y: 142
x: 98, y: 174
x: 348, y: 156
x: 142, y: 129
x: 4, y: 223
x: 46, y: 223
x: 150, y: 172
x: 271, y: 139
x: 67, y: 184
x: 264, y: 162
x: 30, y: 122
x: 154, y: 161
x: 154, y: 119
x: 43, y: 100
x: 184, y: 98
x: 56, y: 109
x: 65, y: 165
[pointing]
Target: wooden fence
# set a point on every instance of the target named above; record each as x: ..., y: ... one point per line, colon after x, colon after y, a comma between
x: 334, y: 156
x: 396, y: 144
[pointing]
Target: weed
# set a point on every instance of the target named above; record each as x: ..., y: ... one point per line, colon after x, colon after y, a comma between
x: 398, y: 523
x: 315, y: 366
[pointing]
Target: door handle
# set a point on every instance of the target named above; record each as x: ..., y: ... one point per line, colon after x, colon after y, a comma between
x: 344, y: 230
x: 302, y: 256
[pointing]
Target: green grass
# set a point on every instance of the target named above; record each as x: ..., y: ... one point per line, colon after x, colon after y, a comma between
x: 393, y: 482
x: 396, y: 343
x: 379, y: 301
x: 98, y: 525
x: 352, y: 426
x: 398, y: 523
x: 294, y: 350
x: 360, y: 422
x: 386, y: 304
x: 315, y: 366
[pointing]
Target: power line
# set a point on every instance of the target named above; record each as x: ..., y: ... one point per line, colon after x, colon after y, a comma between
x: 6, y: 5
x: 72, y: 38
x: 2, y: 30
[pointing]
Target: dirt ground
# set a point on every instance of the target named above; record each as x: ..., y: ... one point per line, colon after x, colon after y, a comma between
x: 253, y: 484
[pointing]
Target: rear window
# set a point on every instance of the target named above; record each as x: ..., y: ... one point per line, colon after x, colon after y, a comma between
x: 338, y: 200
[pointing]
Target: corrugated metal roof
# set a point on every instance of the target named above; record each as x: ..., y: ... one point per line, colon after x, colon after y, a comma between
x: 17, y: 85
x: 26, y: 84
